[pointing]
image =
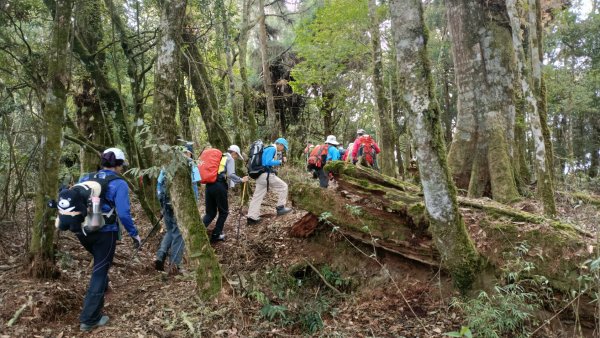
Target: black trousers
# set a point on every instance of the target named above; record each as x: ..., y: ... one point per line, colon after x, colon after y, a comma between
x: 216, y: 202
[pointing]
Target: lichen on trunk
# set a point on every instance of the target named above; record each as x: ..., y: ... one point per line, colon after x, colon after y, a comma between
x: 450, y: 236
x: 41, y: 248
x: 204, y: 261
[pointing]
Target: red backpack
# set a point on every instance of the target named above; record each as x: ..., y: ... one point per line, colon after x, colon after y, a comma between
x: 210, y: 164
x: 367, y: 150
x: 317, y: 157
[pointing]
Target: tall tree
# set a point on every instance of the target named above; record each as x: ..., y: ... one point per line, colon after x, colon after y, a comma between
x: 273, y: 125
x: 247, y: 102
x: 386, y: 132
x: 42, y: 244
x: 208, y: 273
x: 528, y: 77
x: 481, y: 150
x: 446, y: 224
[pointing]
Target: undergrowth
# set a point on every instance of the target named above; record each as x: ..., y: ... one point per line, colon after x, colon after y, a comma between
x: 508, y: 309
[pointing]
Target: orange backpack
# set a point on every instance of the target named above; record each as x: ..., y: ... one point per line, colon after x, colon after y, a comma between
x: 210, y: 164
x: 317, y: 157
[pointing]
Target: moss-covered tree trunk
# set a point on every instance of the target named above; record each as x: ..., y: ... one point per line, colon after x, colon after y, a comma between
x: 528, y: 76
x: 386, y: 133
x: 247, y: 102
x: 208, y: 273
x: 42, y: 244
x: 446, y: 225
x: 273, y: 124
x: 481, y: 148
x: 90, y: 124
x: 389, y: 214
x: 194, y: 67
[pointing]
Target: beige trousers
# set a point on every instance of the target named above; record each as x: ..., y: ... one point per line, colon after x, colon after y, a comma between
x: 275, y: 184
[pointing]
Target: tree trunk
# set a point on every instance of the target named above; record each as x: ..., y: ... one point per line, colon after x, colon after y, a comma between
x: 235, y: 109
x: 208, y: 273
x: 481, y: 148
x: 90, y: 124
x: 446, y: 225
x: 386, y: 133
x: 194, y: 67
x: 388, y: 213
x: 273, y: 126
x: 42, y: 241
x: 248, y: 104
x: 528, y: 76
x: 184, y: 111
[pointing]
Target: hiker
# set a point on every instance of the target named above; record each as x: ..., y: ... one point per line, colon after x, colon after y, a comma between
x: 365, y: 149
x: 189, y: 153
x: 307, y: 151
x: 102, y: 243
x: 347, y: 156
x: 333, y: 154
x: 267, y: 179
x: 216, y: 192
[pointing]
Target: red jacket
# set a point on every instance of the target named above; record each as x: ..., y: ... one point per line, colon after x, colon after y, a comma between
x: 360, y: 140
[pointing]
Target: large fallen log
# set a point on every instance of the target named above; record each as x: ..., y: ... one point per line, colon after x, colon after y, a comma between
x: 390, y: 214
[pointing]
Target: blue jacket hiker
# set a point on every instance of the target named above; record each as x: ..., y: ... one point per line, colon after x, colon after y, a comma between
x: 269, y: 180
x: 333, y: 154
x: 102, y: 243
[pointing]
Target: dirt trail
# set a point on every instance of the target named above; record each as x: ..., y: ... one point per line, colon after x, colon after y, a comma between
x: 263, y: 264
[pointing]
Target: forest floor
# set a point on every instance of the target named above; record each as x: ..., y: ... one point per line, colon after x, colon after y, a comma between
x: 270, y: 287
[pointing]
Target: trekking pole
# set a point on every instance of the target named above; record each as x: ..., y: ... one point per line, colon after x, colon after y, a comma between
x: 152, y: 232
x: 241, y: 212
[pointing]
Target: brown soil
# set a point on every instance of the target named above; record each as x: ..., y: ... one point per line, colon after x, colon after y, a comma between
x: 386, y: 295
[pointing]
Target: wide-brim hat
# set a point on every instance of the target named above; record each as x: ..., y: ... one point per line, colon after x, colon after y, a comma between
x: 236, y: 149
x: 332, y: 140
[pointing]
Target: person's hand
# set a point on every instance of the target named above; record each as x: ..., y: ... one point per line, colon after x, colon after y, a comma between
x: 245, y: 179
x: 137, y: 242
x: 284, y: 160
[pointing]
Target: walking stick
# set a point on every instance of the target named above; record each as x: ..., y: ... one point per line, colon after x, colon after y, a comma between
x: 152, y: 232
x: 241, y: 212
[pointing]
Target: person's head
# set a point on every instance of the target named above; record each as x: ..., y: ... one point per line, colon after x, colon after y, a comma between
x: 114, y: 159
x: 332, y: 140
x: 189, y: 150
x: 281, y: 144
x: 235, y: 152
x: 360, y: 132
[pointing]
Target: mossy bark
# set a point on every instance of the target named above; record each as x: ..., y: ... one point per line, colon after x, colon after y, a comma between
x: 194, y: 67
x: 484, y: 64
x: 529, y: 77
x: 273, y: 124
x: 393, y: 217
x: 248, y: 105
x: 450, y: 236
x: 386, y: 158
x: 41, y: 248
x: 208, y: 273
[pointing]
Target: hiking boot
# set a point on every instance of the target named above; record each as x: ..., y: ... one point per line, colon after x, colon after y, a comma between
x: 159, y: 265
x: 252, y: 221
x: 220, y: 238
x: 86, y: 328
x: 282, y: 210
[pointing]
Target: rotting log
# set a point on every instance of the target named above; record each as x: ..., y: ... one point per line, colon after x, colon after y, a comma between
x: 389, y: 213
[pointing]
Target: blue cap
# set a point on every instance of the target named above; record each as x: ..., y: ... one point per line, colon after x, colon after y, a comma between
x: 283, y: 142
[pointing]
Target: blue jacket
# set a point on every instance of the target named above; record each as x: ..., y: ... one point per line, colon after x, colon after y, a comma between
x: 117, y: 194
x: 333, y: 154
x: 268, y: 157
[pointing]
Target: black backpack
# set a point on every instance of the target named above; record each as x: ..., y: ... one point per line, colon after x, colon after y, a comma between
x: 255, y: 167
x: 75, y: 204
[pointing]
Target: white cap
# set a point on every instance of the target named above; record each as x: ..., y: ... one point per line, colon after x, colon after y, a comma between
x: 361, y: 132
x: 236, y: 149
x: 119, y: 154
x: 331, y: 140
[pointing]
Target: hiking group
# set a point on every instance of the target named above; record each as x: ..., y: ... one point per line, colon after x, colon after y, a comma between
x: 363, y: 150
x: 96, y: 207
